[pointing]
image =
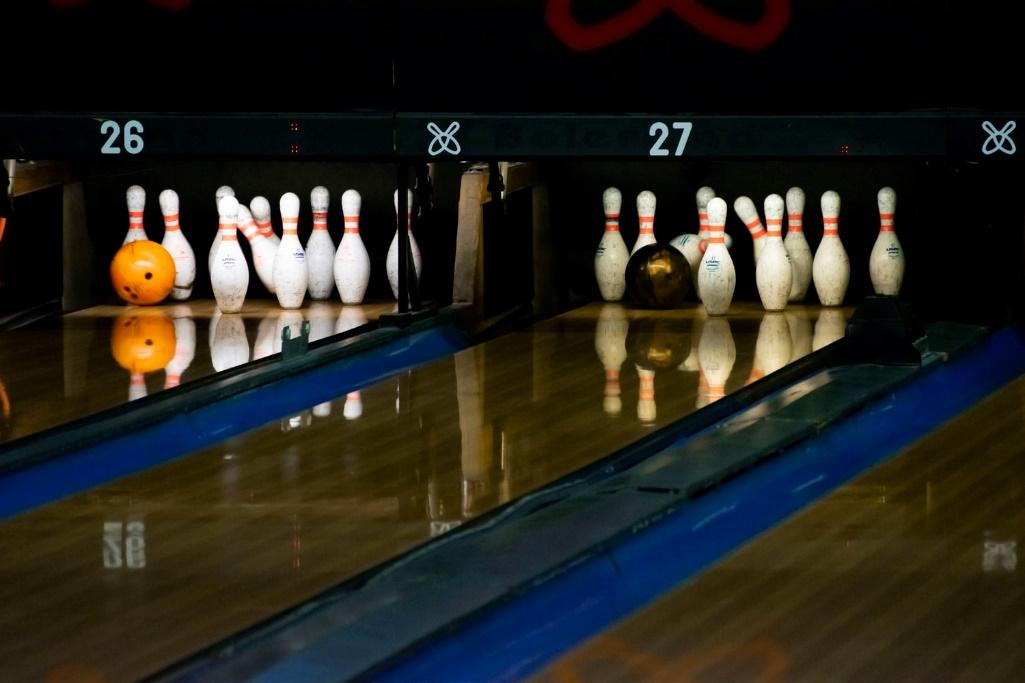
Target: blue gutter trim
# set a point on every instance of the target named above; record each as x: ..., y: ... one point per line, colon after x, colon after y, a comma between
x: 518, y: 638
x: 185, y: 433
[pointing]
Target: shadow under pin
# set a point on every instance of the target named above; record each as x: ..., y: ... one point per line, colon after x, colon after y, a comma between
x: 295, y: 348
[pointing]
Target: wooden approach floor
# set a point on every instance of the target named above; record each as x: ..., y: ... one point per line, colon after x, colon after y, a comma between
x: 76, y: 365
x: 909, y: 573
x: 125, y: 579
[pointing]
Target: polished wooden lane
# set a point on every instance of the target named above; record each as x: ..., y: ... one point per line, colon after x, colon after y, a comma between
x: 76, y: 365
x: 130, y: 577
x: 909, y: 573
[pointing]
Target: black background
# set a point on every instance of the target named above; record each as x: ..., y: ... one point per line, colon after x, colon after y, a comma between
x: 500, y: 55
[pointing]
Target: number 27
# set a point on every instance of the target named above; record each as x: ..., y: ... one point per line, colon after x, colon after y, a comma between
x: 660, y: 132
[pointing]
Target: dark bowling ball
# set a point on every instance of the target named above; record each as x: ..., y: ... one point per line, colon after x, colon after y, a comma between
x: 658, y: 344
x: 658, y: 276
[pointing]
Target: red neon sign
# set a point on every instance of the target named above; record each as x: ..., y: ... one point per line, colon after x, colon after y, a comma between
x: 582, y: 38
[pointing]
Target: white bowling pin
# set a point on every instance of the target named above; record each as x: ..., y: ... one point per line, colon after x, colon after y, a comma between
x: 136, y: 197
x: 797, y: 245
x: 263, y: 249
x: 773, y: 347
x: 260, y: 208
x: 748, y: 212
x: 690, y: 246
x: 610, y: 344
x: 222, y: 192
x: 647, y: 410
x: 717, y: 278
x: 773, y: 273
x: 645, y: 220
x: 886, y: 264
x: 350, y: 317
x: 353, y: 407
x: 229, y: 275
x: 230, y: 347
x: 717, y: 352
x: 352, y: 262
x: 184, y: 346
x: 830, y: 327
x: 831, y: 269
x: 320, y: 248
x: 702, y: 197
x: 290, y: 273
x: 392, y: 261
x: 612, y: 255
x: 177, y: 246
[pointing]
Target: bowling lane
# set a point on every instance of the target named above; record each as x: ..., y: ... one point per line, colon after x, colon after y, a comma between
x: 190, y: 552
x: 908, y: 573
x: 68, y: 367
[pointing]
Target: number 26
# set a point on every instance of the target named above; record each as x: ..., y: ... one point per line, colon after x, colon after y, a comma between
x: 132, y: 137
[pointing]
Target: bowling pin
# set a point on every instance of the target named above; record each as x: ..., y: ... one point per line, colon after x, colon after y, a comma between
x: 353, y: 408
x: 717, y: 278
x: 222, y: 192
x: 349, y: 318
x: 702, y: 197
x: 611, y: 257
x: 645, y: 220
x: 610, y: 344
x: 352, y: 262
x: 184, y: 346
x: 831, y: 269
x: 773, y: 273
x: 886, y: 264
x: 290, y: 273
x: 136, y: 197
x: 320, y: 248
x: 263, y: 249
x: 229, y: 275
x: 177, y: 246
x: 797, y: 245
x: 392, y: 261
x: 690, y: 246
x: 693, y: 246
x: 260, y: 208
x: 748, y: 213
x: 717, y: 352
x: 230, y: 347
x: 647, y: 410
x: 830, y: 327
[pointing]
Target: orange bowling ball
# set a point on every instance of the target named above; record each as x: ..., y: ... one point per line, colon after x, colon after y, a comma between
x: 142, y: 272
x: 143, y: 340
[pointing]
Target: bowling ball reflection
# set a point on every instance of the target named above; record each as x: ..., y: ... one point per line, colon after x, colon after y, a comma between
x: 142, y: 272
x: 658, y: 276
x: 143, y: 340
x: 657, y: 344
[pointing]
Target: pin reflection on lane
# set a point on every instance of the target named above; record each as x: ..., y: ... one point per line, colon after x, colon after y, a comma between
x: 142, y: 341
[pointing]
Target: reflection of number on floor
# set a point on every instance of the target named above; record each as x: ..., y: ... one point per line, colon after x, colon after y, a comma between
x: 765, y: 659
x: 124, y: 545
